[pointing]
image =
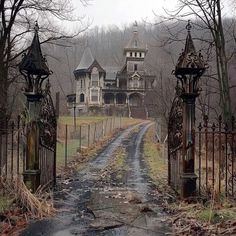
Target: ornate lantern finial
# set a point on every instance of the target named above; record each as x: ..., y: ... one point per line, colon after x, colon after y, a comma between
x: 189, y: 26
x: 33, y: 66
x: 190, y: 65
x: 36, y: 26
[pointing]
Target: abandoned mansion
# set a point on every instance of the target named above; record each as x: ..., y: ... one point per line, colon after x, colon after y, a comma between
x: 111, y: 90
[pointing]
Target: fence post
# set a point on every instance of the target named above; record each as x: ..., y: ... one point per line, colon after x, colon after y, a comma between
x: 80, y: 138
x: 0, y: 153
x: 103, y: 129
x: 95, y: 130
x: 6, y: 147
x: 106, y: 126
x: 18, y: 145
x: 111, y: 125
x: 66, y: 147
x: 88, y: 133
x: 12, y: 140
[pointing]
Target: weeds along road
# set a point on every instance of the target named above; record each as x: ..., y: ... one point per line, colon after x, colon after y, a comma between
x: 111, y: 196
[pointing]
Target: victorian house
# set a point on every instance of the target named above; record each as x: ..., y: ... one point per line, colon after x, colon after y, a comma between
x: 113, y: 90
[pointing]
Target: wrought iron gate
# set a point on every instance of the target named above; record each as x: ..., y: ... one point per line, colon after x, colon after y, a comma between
x: 48, y: 137
x: 175, y: 135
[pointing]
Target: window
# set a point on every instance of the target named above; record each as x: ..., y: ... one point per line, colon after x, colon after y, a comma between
x: 81, y: 97
x: 94, y: 95
x: 81, y: 83
x: 135, y: 43
x: 135, y: 67
x: 140, y: 54
x: 95, y: 77
x: 131, y: 54
x: 135, y: 54
x: 135, y: 82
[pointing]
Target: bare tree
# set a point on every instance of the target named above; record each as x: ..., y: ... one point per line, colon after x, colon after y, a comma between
x: 17, y: 18
x: 208, y: 15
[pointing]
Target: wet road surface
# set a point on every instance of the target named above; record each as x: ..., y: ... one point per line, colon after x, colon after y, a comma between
x: 91, y: 207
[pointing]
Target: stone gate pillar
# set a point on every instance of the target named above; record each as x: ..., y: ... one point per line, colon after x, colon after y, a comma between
x: 189, y: 69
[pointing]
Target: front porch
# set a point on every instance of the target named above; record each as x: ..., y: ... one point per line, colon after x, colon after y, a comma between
x: 127, y: 97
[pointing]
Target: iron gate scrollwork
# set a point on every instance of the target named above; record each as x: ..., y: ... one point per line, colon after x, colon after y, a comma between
x: 175, y: 139
x: 48, y: 137
x: 48, y: 121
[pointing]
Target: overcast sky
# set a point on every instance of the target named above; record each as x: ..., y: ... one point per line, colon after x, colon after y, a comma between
x: 120, y: 12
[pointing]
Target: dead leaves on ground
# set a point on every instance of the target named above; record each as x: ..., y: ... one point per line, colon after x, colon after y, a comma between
x: 26, y: 205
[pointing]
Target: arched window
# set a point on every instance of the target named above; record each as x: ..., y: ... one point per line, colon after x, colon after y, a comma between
x: 81, y: 97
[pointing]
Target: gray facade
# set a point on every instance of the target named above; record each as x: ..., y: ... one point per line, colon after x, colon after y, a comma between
x: 112, y: 89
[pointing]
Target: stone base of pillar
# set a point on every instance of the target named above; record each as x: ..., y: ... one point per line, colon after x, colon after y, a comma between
x: 32, y: 179
x: 188, y: 185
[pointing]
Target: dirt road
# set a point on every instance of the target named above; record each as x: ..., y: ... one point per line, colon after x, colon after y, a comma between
x: 107, y: 198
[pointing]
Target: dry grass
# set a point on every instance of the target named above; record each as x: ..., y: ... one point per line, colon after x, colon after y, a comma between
x: 155, y: 157
x: 38, y: 205
x: 116, y: 165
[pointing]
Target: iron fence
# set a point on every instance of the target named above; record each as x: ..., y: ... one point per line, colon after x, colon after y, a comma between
x: 71, y: 140
x: 215, y: 155
x: 13, y: 144
x: 12, y: 150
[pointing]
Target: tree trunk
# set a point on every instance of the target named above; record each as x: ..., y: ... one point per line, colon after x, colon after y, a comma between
x: 3, y: 96
x: 222, y: 67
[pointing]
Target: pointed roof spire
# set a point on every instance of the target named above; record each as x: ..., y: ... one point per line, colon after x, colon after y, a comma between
x: 134, y: 43
x: 189, y: 46
x: 189, y: 61
x: 86, y: 60
x: 33, y: 62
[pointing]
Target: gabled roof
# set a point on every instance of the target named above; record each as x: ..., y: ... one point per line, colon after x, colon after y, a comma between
x: 135, y: 43
x: 33, y: 62
x: 86, y: 60
x: 135, y: 74
x: 96, y: 64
